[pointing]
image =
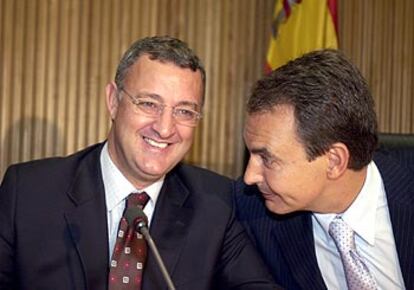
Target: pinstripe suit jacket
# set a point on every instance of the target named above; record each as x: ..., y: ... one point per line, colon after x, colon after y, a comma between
x: 286, y: 242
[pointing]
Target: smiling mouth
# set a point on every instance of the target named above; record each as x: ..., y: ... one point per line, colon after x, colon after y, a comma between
x: 266, y: 195
x: 153, y: 143
x: 262, y: 191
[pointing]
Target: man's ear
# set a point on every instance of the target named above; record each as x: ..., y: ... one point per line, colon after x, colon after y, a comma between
x: 112, y: 101
x: 338, y: 160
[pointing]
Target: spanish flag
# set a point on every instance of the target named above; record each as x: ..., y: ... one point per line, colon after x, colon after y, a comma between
x: 301, y: 26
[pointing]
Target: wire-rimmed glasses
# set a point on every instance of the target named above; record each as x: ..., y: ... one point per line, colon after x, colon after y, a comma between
x: 183, y: 114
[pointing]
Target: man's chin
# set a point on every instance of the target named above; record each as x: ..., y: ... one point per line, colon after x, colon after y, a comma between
x: 278, y: 207
x: 155, y: 171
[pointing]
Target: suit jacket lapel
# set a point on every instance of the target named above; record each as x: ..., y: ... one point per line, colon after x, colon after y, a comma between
x: 87, y: 221
x: 295, y: 236
x: 399, y: 187
x: 169, y: 229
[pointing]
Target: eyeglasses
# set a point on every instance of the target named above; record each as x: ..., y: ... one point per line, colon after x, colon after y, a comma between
x: 182, y: 113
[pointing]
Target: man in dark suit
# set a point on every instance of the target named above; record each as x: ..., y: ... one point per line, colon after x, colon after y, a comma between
x: 313, y: 176
x: 59, y: 217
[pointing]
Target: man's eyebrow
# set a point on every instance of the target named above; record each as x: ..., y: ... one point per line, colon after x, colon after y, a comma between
x: 149, y: 95
x: 157, y: 97
x: 261, y: 151
x: 265, y: 153
x: 195, y: 106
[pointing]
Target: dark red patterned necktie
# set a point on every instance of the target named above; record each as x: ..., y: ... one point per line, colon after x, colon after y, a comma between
x: 130, y: 251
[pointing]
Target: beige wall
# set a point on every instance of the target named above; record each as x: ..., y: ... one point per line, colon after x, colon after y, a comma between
x: 379, y: 37
x: 57, y: 55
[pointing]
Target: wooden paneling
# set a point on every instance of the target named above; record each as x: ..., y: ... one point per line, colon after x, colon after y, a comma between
x: 378, y: 35
x: 56, y: 57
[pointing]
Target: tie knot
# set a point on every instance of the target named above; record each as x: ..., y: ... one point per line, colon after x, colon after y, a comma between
x: 137, y: 199
x: 342, y: 234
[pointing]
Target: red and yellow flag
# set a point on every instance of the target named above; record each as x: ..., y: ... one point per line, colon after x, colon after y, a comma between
x: 301, y: 26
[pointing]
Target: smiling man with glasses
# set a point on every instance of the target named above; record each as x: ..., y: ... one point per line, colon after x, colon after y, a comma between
x: 62, y: 222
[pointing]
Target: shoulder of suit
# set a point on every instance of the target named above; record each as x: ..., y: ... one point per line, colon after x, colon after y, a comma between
x: 397, y: 158
x: 63, y: 164
x: 197, y: 171
x: 202, y: 179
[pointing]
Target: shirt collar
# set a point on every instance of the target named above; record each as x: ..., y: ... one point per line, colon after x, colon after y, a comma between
x: 360, y: 216
x: 117, y: 186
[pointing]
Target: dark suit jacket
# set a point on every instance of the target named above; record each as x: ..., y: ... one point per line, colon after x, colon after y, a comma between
x: 286, y: 242
x: 53, y: 229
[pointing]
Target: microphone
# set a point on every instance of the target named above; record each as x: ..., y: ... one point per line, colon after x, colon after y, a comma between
x: 136, y: 217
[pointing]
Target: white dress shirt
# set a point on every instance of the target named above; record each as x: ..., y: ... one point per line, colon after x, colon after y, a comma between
x: 369, y: 217
x: 117, y: 188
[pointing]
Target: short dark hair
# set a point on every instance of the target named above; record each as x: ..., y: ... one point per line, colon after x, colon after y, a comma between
x: 331, y: 102
x: 161, y: 48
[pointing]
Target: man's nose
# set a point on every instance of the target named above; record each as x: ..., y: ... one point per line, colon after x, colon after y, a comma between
x: 165, y: 124
x: 253, y: 173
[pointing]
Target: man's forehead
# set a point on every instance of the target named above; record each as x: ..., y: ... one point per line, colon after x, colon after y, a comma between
x: 271, y: 128
x: 255, y: 132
